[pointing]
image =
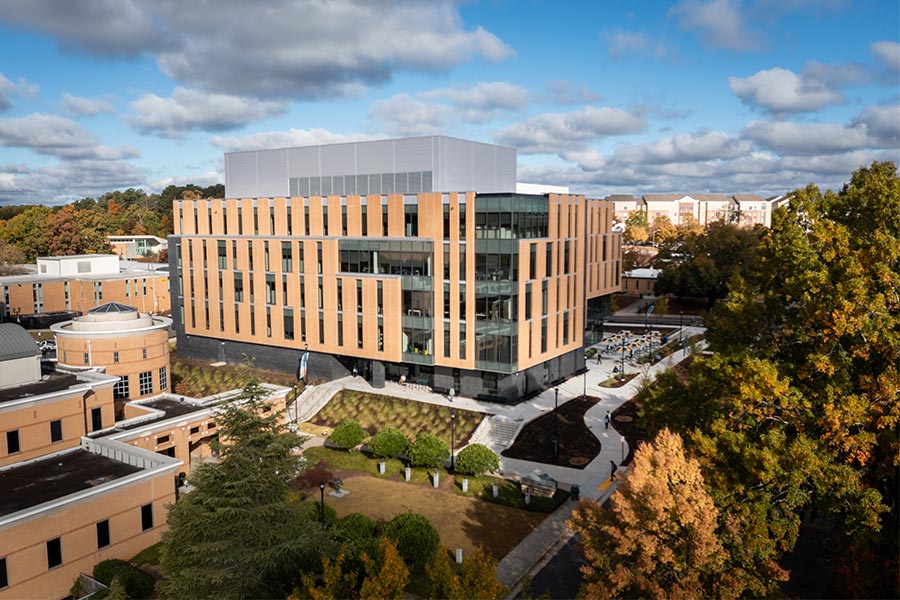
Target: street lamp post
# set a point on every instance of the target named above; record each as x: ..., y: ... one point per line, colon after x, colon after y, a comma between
x: 322, y: 506
x: 681, y: 328
x: 453, y: 442
x: 622, y: 442
x: 623, y: 361
x: 556, y: 426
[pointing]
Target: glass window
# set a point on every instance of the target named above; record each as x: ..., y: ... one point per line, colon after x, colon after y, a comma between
x: 12, y: 441
x: 145, y: 383
x: 147, y: 517
x: 56, y: 431
x: 54, y: 553
x: 163, y: 378
x: 120, y: 390
x: 103, y: 534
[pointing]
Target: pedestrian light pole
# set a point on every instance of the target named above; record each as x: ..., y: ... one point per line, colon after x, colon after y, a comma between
x: 556, y: 427
x: 623, y: 361
x: 322, y: 507
x: 453, y: 442
x: 681, y: 328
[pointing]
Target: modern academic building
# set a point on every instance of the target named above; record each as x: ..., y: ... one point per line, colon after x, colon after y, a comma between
x: 413, y: 257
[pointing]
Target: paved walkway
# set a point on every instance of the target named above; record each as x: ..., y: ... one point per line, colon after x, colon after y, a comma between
x: 593, y: 480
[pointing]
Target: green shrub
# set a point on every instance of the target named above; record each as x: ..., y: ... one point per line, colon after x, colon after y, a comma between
x: 428, y: 451
x: 355, y: 526
x: 311, y: 512
x: 388, y: 443
x: 137, y: 583
x: 416, y: 538
x: 476, y: 459
x: 348, y: 434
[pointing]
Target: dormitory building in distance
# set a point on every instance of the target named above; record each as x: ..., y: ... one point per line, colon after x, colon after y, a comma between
x: 418, y: 257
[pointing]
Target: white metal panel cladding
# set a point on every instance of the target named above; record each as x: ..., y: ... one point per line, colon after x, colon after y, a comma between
x: 272, y: 173
x: 240, y: 175
x: 387, y: 166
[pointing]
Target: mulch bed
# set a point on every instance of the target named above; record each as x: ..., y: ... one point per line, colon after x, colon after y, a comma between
x: 625, y: 421
x: 577, y: 445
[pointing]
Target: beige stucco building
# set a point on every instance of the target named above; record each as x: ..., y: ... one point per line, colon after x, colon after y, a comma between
x: 79, y: 283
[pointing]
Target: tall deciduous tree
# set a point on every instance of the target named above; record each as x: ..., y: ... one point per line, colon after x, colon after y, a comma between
x: 700, y: 264
x: 658, y: 538
x: 238, y: 534
x: 28, y: 231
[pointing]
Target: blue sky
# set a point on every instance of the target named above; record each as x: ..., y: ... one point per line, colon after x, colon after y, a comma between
x: 605, y: 97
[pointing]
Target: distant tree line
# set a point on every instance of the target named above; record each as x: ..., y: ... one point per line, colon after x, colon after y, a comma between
x: 29, y: 231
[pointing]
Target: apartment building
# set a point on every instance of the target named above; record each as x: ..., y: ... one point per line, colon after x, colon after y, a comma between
x: 412, y: 258
x: 745, y: 210
x: 81, y: 282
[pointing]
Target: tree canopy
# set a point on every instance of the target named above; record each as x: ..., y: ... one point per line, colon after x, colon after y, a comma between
x: 799, y: 407
x: 659, y: 537
x: 238, y: 533
x: 700, y: 264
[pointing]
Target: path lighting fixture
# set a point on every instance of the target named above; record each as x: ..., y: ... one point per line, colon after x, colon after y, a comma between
x: 556, y: 426
x: 453, y: 442
x: 322, y: 507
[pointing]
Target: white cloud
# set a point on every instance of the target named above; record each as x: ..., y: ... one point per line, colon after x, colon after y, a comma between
x: 888, y: 53
x: 882, y: 123
x: 288, y: 49
x: 189, y: 109
x: 719, y: 23
x: 57, y: 136
x: 781, y: 91
x: 286, y: 139
x: 560, y: 132
x: 620, y: 43
x: 202, y: 179
x: 70, y: 180
x: 484, y: 96
x: 807, y: 138
x: 87, y: 107
x: 566, y: 92
x: 441, y: 110
x: 840, y: 75
x: 402, y: 115
x: 9, y: 88
x: 685, y: 147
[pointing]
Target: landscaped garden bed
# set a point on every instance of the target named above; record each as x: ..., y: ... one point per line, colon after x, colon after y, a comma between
x: 197, y: 379
x: 374, y: 412
x: 577, y: 445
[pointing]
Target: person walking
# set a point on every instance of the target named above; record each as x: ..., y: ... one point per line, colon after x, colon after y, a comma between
x: 612, y: 470
x: 606, y: 420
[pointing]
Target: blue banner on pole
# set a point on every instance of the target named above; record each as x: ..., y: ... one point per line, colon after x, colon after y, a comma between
x: 301, y: 368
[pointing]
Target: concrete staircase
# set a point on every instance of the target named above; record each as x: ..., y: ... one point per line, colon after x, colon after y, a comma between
x: 311, y: 401
x: 496, y: 432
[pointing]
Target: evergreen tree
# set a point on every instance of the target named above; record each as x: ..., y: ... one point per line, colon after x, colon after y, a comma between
x: 238, y: 533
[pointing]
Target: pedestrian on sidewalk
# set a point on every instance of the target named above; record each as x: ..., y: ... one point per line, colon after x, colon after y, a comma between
x: 612, y: 470
x: 606, y: 420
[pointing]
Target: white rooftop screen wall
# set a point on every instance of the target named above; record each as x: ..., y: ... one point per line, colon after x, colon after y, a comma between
x: 408, y: 165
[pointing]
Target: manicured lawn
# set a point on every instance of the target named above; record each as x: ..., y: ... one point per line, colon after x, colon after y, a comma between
x: 479, y: 487
x: 375, y: 412
x: 462, y: 522
x: 617, y: 381
x: 149, y: 555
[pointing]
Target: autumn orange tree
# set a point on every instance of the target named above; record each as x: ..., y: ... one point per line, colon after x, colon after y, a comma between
x: 385, y: 576
x: 659, y: 537
x: 474, y: 578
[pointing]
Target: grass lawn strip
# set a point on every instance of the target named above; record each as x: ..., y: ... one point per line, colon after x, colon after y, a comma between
x: 375, y: 412
x: 462, y: 522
